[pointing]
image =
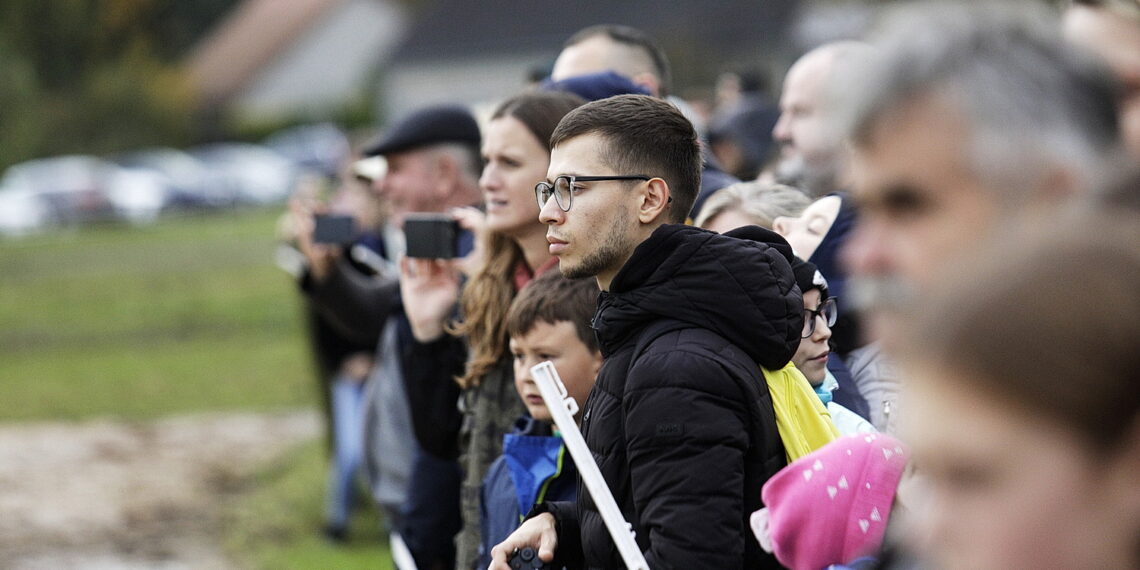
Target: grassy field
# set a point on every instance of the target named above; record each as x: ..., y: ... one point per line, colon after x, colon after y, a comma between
x: 188, y: 315
x: 274, y: 527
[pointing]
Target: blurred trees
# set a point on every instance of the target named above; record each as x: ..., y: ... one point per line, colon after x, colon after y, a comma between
x: 96, y: 76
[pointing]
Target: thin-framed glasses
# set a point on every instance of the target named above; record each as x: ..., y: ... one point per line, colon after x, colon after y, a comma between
x: 563, y: 188
x: 827, y: 310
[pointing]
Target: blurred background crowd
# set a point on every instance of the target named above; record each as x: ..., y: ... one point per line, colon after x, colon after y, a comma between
x: 128, y: 110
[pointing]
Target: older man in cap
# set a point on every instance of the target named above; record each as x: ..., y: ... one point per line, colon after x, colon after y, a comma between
x: 433, y: 165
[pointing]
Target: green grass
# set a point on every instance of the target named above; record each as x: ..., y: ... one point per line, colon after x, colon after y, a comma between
x: 276, y: 525
x: 190, y: 314
x: 187, y: 315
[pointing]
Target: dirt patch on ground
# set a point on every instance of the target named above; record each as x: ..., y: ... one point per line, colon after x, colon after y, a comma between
x: 109, y: 494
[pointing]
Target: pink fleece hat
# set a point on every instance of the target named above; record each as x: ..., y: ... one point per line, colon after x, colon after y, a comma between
x: 831, y: 505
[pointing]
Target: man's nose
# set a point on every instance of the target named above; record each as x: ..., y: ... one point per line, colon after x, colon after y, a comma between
x: 550, y: 213
x: 781, y: 132
x: 867, y: 250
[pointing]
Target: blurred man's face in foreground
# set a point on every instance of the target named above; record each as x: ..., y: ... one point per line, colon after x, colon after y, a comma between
x: 1116, y: 39
x: 987, y: 467
x: 921, y: 205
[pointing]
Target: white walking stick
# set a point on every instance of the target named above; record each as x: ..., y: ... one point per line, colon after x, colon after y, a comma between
x: 562, y: 408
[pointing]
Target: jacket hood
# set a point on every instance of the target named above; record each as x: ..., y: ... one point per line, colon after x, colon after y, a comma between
x: 845, y: 334
x: 739, y: 285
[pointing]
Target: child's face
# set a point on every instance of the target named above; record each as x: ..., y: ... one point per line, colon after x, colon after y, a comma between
x: 1002, y: 488
x: 576, y: 364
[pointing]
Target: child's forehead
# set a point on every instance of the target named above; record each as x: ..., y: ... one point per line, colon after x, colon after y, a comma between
x: 542, y: 331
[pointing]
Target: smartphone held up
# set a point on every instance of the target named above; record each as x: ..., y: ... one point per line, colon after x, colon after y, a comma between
x: 431, y: 236
x: 334, y: 229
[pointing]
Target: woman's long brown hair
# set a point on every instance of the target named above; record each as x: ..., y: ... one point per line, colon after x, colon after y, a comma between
x: 487, y: 296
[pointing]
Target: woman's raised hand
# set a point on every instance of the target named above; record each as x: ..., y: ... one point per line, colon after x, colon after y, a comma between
x: 429, y: 289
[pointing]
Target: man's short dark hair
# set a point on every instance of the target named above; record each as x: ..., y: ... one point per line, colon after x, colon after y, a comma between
x: 551, y: 298
x: 643, y: 135
x: 635, y: 38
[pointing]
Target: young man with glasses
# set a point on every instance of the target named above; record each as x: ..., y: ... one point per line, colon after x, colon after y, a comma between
x: 680, y: 420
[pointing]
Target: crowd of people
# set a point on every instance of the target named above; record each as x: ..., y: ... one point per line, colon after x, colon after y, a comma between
x: 906, y: 339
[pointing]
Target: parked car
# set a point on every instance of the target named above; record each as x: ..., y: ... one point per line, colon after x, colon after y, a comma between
x: 189, y: 183
x: 76, y: 189
x: 138, y: 196
x: 253, y: 173
x: 72, y: 188
x: 320, y: 147
x: 22, y: 212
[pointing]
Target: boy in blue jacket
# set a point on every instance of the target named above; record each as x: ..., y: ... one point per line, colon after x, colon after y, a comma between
x: 548, y: 320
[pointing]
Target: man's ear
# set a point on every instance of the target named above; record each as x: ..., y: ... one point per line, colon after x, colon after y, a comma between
x: 654, y: 205
x: 649, y: 81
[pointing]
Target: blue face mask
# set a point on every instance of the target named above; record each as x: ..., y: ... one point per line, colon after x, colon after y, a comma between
x: 825, y: 388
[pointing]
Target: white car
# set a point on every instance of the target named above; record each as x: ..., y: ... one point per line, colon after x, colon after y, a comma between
x: 22, y: 212
x: 76, y: 189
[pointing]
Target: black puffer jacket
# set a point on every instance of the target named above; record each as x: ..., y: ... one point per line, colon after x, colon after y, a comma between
x: 685, y: 436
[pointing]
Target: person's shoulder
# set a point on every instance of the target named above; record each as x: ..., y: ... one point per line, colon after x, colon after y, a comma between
x: 693, y: 357
x: 696, y: 342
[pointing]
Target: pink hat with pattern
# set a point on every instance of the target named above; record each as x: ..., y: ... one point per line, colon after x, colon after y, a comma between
x: 831, y: 506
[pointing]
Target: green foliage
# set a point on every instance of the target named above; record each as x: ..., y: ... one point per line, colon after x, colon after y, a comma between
x: 187, y: 315
x: 96, y: 77
x: 276, y: 525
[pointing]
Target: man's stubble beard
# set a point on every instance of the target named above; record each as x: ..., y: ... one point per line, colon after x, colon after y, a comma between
x: 816, y: 178
x: 615, y: 246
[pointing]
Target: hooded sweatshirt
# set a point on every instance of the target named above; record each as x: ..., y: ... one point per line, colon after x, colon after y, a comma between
x: 680, y: 421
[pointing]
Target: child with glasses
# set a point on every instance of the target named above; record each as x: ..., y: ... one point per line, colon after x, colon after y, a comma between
x: 811, y: 358
x: 549, y: 320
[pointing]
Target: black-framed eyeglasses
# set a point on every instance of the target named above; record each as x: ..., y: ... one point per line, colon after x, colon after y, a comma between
x: 563, y: 188
x: 827, y: 310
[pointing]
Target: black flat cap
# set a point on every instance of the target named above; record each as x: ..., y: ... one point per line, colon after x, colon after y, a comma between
x: 428, y: 126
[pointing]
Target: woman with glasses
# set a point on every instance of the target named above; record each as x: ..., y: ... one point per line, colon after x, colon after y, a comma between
x: 814, y: 352
x: 511, y: 250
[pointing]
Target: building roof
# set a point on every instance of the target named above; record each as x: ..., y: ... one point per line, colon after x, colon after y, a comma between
x: 460, y: 27
x: 223, y: 62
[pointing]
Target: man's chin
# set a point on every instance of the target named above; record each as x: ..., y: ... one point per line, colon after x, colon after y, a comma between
x: 790, y: 171
x: 569, y: 270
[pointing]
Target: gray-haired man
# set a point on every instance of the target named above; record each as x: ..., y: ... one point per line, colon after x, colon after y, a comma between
x: 973, y: 116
